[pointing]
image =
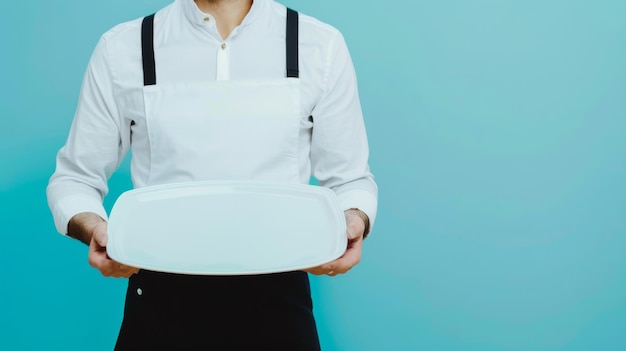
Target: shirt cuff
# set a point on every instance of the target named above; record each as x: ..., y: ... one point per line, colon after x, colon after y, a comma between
x: 362, y: 200
x: 71, y: 205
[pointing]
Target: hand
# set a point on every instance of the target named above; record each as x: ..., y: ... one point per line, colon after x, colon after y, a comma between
x: 355, y: 226
x: 99, y: 259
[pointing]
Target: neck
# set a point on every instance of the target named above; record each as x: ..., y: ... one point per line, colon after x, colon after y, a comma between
x: 228, y: 14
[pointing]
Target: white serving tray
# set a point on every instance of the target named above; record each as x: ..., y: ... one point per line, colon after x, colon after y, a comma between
x: 226, y: 228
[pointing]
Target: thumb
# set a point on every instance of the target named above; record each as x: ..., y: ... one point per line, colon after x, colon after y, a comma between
x: 100, y: 235
x: 354, y: 228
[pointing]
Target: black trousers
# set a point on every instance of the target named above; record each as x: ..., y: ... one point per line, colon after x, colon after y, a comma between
x: 181, y: 312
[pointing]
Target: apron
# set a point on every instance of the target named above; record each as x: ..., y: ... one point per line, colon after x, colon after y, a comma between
x: 220, y: 130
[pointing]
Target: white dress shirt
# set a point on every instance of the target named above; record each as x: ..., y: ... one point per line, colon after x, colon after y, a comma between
x: 333, y: 148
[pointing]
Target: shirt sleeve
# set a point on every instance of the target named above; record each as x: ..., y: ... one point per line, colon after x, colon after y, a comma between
x: 339, y: 147
x: 93, y: 150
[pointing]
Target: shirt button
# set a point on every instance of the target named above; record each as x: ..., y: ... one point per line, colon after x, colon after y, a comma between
x: 139, y: 291
x: 206, y: 19
x: 223, y: 46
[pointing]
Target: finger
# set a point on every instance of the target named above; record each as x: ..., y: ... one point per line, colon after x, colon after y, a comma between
x: 127, y: 271
x: 117, y: 269
x: 128, y: 275
x: 124, y: 271
x: 340, y: 265
x: 97, y: 255
x: 350, y: 258
x: 99, y: 259
x: 335, y: 265
x: 107, y: 268
x: 316, y: 270
x: 321, y: 270
x: 110, y: 268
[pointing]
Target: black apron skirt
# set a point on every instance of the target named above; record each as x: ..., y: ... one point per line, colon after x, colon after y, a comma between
x: 185, y: 312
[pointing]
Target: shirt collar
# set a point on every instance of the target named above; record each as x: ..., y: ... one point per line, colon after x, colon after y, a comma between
x: 197, y: 17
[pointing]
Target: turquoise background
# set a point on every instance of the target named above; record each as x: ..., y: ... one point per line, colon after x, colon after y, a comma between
x: 497, y: 133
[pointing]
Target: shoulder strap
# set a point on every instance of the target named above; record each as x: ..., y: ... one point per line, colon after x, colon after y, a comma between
x: 292, y: 44
x: 147, y: 50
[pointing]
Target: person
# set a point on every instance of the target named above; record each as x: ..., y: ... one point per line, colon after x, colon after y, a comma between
x: 216, y: 90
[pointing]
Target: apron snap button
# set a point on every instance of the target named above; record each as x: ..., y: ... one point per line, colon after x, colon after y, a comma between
x: 139, y: 291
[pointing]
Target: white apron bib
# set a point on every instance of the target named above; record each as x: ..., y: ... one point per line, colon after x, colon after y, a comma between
x: 222, y: 130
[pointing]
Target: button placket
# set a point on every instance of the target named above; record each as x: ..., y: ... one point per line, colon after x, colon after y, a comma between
x: 223, y: 61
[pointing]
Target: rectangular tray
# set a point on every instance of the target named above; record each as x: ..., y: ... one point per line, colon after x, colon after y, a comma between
x: 226, y: 228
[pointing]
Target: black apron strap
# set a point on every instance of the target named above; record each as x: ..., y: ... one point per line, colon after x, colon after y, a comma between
x: 292, y: 44
x: 147, y: 50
